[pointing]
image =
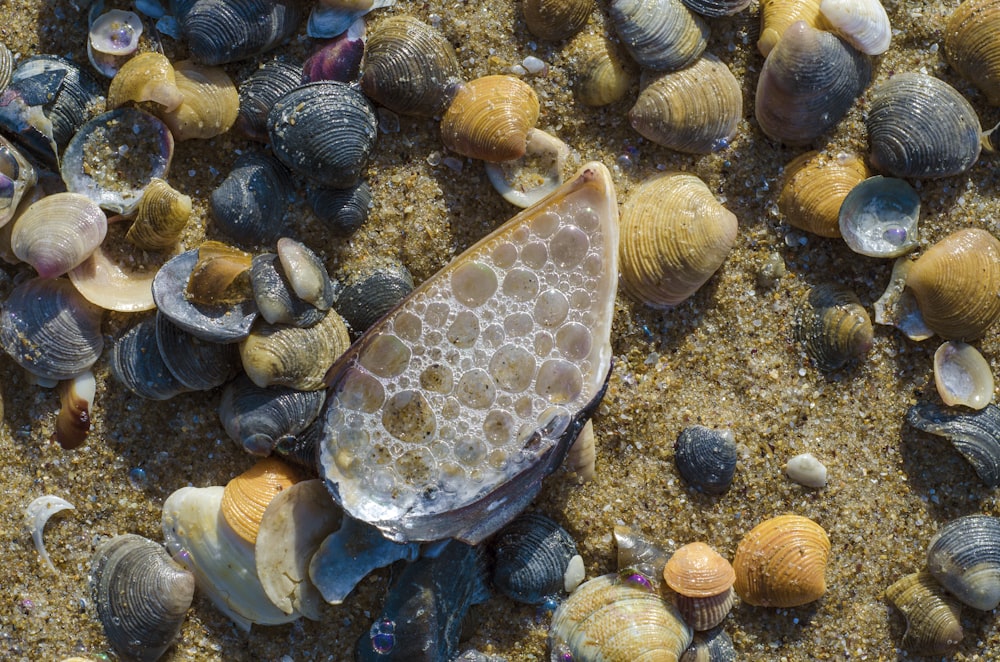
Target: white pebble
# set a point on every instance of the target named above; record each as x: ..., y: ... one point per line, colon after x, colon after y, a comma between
x: 806, y: 470
x: 534, y: 65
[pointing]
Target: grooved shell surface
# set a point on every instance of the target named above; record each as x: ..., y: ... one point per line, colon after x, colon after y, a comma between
x: 373, y: 291
x: 716, y: 8
x: 662, y: 35
x: 136, y: 362
x: 210, y: 106
x: 698, y: 571
x: 965, y: 557
x: 833, y: 326
x: 601, y: 76
x: 781, y: 562
x: 146, y: 77
x: 6, y: 65
x: 975, y: 435
x: 556, y: 19
x: 258, y: 92
x: 258, y: 419
x: 197, y: 364
x: 971, y: 45
x: 251, y: 202
x: 58, y: 232
x: 247, y: 495
x: 706, y: 458
x: 161, y: 216
x: 863, y: 24
x: 531, y: 557
x: 777, y: 15
x: 221, y: 31
x: 933, y: 625
x: 489, y: 118
x: 815, y: 185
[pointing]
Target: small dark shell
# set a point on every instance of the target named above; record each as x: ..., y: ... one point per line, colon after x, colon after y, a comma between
x: 141, y: 595
x: 706, y: 458
x: 342, y: 211
x: 531, y: 557
x: 136, y: 362
x: 712, y: 646
x: 258, y: 93
x: 716, y: 8
x: 833, y: 326
x: 556, y: 19
x: 372, y: 294
x: 221, y: 31
x: 250, y: 204
x: 259, y: 419
x: 197, y: 364
x: 275, y: 298
x: 974, y: 434
x: 965, y: 557
x: 300, y: 449
x: 325, y: 132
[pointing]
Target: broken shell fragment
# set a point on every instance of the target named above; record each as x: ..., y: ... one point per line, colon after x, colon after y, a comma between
x: 525, y: 181
x: 964, y: 555
x: 17, y: 176
x: 814, y: 188
x: 898, y: 307
x: 115, y: 276
x: 833, y: 326
x: 962, y: 375
x: 490, y: 118
x: 781, y: 562
x: 975, y: 435
x: 933, y: 625
x: 37, y: 514
x: 76, y: 401
x: 878, y: 218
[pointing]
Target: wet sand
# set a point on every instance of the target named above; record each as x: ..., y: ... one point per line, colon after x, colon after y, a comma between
x: 725, y: 358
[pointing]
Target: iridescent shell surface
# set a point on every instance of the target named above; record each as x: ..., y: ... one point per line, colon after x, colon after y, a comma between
x: 962, y: 375
x: 58, y: 232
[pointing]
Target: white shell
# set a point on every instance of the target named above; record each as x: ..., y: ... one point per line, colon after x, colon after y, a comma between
x: 806, y: 470
x: 962, y: 375
x: 58, y: 232
x: 525, y: 181
x: 38, y: 513
x: 862, y: 23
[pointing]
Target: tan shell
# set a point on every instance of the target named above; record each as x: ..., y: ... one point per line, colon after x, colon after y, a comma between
x: 674, y: 236
x: 698, y: 571
x: 581, y: 457
x: 933, y: 625
x: 220, y: 276
x: 972, y: 47
x: 815, y: 185
x: 602, y: 75
x: 247, y: 496
x: 781, y: 562
x: 161, y: 216
x: 146, y: 77
x: 833, y: 326
x: 777, y: 15
x: 211, y: 102
x: 556, y: 19
x: 957, y: 284
x: 489, y: 118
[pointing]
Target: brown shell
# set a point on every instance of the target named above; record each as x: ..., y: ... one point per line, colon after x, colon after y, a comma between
x: 489, y: 119
x: 146, y: 77
x: 777, y: 15
x: 211, y: 102
x: 674, y: 236
x: 815, y: 185
x: 556, y: 19
x: 833, y: 326
x: 781, y: 562
x: 705, y: 613
x: 602, y: 75
x: 247, y: 496
x: 957, y: 284
x: 972, y: 47
x: 220, y: 276
x: 160, y: 218
x: 698, y: 571
x: 933, y: 625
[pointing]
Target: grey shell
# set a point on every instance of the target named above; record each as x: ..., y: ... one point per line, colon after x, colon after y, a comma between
x: 965, y: 557
x: 260, y: 90
x: 342, y: 211
x: 276, y: 300
x: 221, y: 31
x: 373, y: 294
x: 250, y: 204
x: 199, y: 365
x: 976, y: 435
x: 706, y: 458
x: 711, y: 646
x: 833, y: 326
x: 530, y: 558
x: 662, y: 35
x: 136, y: 362
x: 259, y: 419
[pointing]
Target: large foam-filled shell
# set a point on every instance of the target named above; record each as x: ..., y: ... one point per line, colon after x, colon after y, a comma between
x: 776, y: 16
x: 694, y: 110
x: 210, y: 106
x: 248, y: 494
x: 781, y: 562
x: 814, y: 187
x: 556, y: 19
x: 808, y: 82
x: 531, y: 556
x: 976, y: 435
x: 920, y: 126
x: 833, y: 326
x: 601, y: 74
x: 957, y: 284
x: 607, y: 618
x: 222, y: 31
x: 971, y: 45
x: 675, y: 235
x: 258, y: 419
x: 141, y: 595
x: 933, y: 625
x: 964, y: 555
x: 58, y: 232
x: 661, y: 35
x: 490, y: 117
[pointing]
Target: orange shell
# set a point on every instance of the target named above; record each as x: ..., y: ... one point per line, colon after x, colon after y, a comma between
x: 247, y: 495
x: 489, y: 119
x: 781, y: 562
x: 698, y: 571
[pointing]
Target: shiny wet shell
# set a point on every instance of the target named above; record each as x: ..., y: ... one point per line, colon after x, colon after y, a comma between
x: 706, y: 458
x: 964, y: 555
x: 833, y: 326
x: 531, y: 555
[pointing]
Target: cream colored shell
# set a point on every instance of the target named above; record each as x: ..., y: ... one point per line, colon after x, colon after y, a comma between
x: 210, y: 106
x: 146, y: 77
x: 490, y: 117
x: 814, y: 187
x: 601, y: 74
x: 781, y: 562
x: 289, y: 356
x: 161, y: 216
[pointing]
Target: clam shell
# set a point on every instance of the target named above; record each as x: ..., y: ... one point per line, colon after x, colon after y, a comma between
x: 716, y: 8
x: 141, y: 595
x: 197, y: 364
x: 776, y: 16
x: 814, y: 187
x: 17, y: 176
x: 372, y: 291
x: 781, y: 562
x: 259, y: 419
x: 410, y: 67
x: 277, y: 302
x: 962, y: 375
x: 971, y: 47
x: 975, y: 435
x: 919, y: 126
x: 601, y: 76
x: 661, y: 35
x: 808, y: 82
x: 76, y: 402
x: 136, y: 362
x: 582, y: 455
x: 833, y: 326
x: 161, y: 216
x: 210, y: 106
x: 861, y: 23
x: 556, y: 19
x: 706, y: 458
x: 703, y: 581
x: 146, y: 77
x: 694, y: 110
x: 879, y: 217
x: 342, y: 211
x: 675, y: 235
x: 712, y: 646
x: 222, y: 31
x: 957, y: 284
x: 338, y: 59
x: 115, y: 276
x: 251, y: 202
x: 531, y: 556
x: 58, y: 232
x: 964, y: 555
x: 113, y: 38
x: 247, y: 495
x: 489, y: 118
x: 6, y: 66
x: 258, y: 92
x: 933, y: 625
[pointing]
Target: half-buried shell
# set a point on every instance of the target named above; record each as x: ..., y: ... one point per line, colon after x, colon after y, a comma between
x: 660, y: 35
x: 833, y: 326
x: 975, y: 435
x: 971, y: 47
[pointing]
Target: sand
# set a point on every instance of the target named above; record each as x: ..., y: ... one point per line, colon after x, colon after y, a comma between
x: 725, y: 358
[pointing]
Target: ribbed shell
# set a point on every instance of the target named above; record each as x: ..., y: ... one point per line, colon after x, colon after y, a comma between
x: 258, y: 419
x: 136, y: 362
x: 374, y: 291
x: 161, y: 216
x: 861, y: 23
x: 277, y: 301
x: 222, y: 31
x: 698, y: 571
x: 716, y: 8
x: 531, y: 557
x: 556, y: 19
x: 342, y: 211
x: 781, y: 562
x: 705, y: 613
x: 148, y: 76
x: 490, y: 117
x: 833, y: 326
x: 289, y: 356
x: 210, y: 106
x: 957, y: 284
x: 964, y: 555
x: 713, y: 646
x: 141, y: 595
x: 601, y: 76
x: 975, y: 435
x: 971, y: 45
x: 608, y: 620
x: 933, y: 625
x: 247, y: 495
x: 706, y: 458
x: 251, y: 202
x: 324, y: 132
x: 919, y: 126
x: 197, y: 364
x: 6, y: 65
x: 410, y: 67
x: 258, y: 92
x: 808, y: 82
x: 815, y: 185
x: 777, y: 15
x: 674, y: 236
x: 338, y: 59
x: 58, y: 232
x: 662, y: 35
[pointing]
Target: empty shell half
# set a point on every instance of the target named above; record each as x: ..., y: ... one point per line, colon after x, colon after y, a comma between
x: 781, y: 562
x: 601, y: 74
x: 879, y: 217
x: 962, y: 375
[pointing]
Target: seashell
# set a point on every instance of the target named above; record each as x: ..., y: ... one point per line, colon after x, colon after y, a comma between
x: 197, y: 364
x: 248, y: 494
x: 141, y: 595
x: 112, y: 39
x: 258, y: 419
x: 338, y: 59
x: 781, y: 562
x: 324, y: 132
x: 372, y: 291
x: 933, y: 625
x: 305, y: 273
x: 531, y: 557
x: 661, y: 35
x: 76, y: 401
x: 330, y: 18
x: 556, y: 19
x: 964, y: 555
x: 250, y: 204
x: 289, y: 356
x: 220, y: 276
x: 146, y: 77
x: 17, y: 176
x: 975, y: 435
x: 137, y: 363
x: 277, y: 302
x: 6, y: 66
x: 115, y: 276
x: 706, y: 458
x: 223, y: 31
x: 962, y: 375
x: 37, y: 514
x: 489, y: 119
x: 410, y: 68
x: 525, y: 181
x: 161, y: 216
x: 808, y: 82
x: 971, y: 48
x: 815, y: 186
x: 675, y: 235
x: 211, y: 101
x: 638, y: 553
x: 712, y: 646
x: 58, y: 232
x: 300, y: 449
x: 581, y: 457
x: 833, y: 326
x: 601, y: 77
x: 694, y: 110
x: 957, y: 284
x: 716, y: 8
x: 50, y: 330
x: 609, y: 619
x: 861, y: 23
x: 258, y: 92
x: 879, y: 217
x: 703, y: 581
x: 776, y: 16
x: 919, y: 126
x: 383, y: 472
x: 898, y: 307
x: 342, y: 211
x: 806, y: 470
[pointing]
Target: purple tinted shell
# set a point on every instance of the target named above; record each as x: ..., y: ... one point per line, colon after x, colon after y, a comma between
x: 338, y: 59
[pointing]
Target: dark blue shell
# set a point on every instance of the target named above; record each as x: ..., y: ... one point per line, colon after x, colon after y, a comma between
x: 706, y: 458
x: 531, y: 556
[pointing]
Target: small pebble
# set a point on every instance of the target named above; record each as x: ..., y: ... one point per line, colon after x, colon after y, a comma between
x: 806, y: 470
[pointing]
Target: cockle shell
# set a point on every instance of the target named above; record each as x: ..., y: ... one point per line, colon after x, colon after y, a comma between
x: 957, y: 284
x: 161, y: 216
x: 781, y: 562
x: 975, y: 435
x: 833, y: 326
x: 601, y: 76
x: 556, y: 19
x: 248, y: 494
x: 814, y: 187
x: 222, y: 31
x: 962, y: 375
x: 489, y: 118
x: 694, y: 110
x: 971, y: 47
x: 146, y: 77
x: 862, y: 23
x: 58, y: 232
x: 776, y: 16
x: 532, y: 555
x: 933, y: 625
x: 675, y: 235
x: 371, y: 291
x: 661, y: 35
x: 706, y: 458
x: 964, y: 555
x: 703, y: 581
x: 210, y: 106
